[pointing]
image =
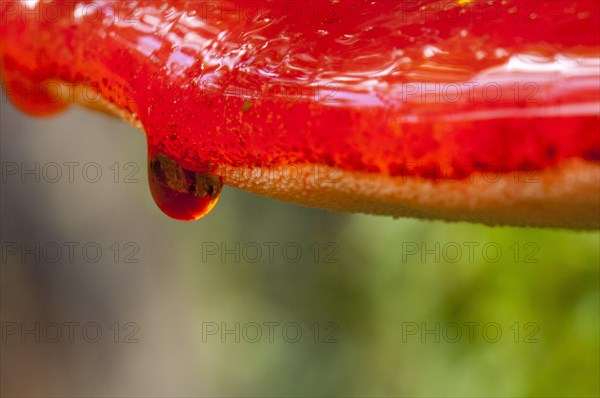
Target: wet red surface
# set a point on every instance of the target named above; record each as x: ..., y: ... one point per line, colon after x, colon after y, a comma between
x: 375, y: 86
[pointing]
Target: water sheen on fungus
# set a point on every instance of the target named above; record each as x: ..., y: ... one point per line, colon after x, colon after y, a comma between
x: 387, y: 88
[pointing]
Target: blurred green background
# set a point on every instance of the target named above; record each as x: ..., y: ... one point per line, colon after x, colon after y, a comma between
x: 371, y: 300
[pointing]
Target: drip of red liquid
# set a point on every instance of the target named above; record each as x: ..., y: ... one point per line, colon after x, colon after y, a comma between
x: 37, y: 97
x: 181, y: 193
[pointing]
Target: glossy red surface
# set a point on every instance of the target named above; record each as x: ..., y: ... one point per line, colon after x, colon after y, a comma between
x: 393, y: 87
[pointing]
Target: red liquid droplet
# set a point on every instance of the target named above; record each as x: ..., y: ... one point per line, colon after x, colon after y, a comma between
x: 181, y: 193
x: 37, y: 97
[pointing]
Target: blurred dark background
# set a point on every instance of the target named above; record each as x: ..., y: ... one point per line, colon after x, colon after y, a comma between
x: 357, y: 305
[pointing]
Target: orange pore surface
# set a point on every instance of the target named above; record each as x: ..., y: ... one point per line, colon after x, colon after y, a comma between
x: 392, y: 87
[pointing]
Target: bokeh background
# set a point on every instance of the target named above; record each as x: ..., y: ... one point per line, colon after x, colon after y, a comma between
x: 355, y: 282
